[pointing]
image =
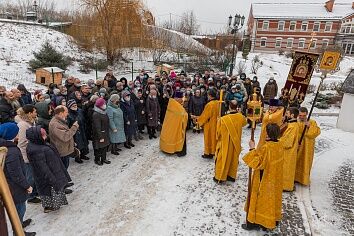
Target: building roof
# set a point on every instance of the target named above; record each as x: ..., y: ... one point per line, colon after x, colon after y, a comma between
x: 348, y: 86
x: 55, y: 69
x: 297, y: 10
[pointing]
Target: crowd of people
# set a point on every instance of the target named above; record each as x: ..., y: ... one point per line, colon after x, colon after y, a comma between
x: 43, y: 131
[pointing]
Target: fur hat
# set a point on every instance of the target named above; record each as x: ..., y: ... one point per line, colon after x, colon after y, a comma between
x: 8, y: 131
x: 114, y: 98
x: 100, y: 102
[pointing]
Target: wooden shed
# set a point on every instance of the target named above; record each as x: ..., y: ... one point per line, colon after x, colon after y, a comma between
x: 48, y: 75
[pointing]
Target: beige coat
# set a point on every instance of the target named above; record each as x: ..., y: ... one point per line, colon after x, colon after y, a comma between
x: 61, y: 136
x: 23, y: 123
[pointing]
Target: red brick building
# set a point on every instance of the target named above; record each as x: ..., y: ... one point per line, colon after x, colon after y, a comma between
x: 292, y: 26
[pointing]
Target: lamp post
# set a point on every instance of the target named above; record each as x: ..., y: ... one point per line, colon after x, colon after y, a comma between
x: 235, y: 27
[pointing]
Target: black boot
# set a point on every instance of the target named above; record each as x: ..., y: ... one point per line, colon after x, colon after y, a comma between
x: 78, y: 160
x: 230, y: 179
x: 206, y: 156
x: 114, y: 150
x: 250, y: 226
x: 98, y: 158
x: 131, y: 144
x: 84, y: 157
x: 126, y: 145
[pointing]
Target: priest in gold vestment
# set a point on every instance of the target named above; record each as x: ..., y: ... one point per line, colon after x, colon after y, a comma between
x: 265, y: 202
x: 306, y: 148
x: 173, y: 133
x: 228, y: 147
x: 290, y: 141
x: 273, y: 115
x: 208, y: 120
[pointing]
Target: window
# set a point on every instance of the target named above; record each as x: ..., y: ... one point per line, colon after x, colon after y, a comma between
x: 42, y: 80
x: 313, y: 44
x: 301, y: 43
x: 263, y: 42
x: 281, y: 25
x: 292, y: 26
x: 316, y: 26
x: 265, y: 25
x: 325, y: 43
x: 289, y: 43
x: 278, y: 42
x: 328, y: 27
x: 304, y: 26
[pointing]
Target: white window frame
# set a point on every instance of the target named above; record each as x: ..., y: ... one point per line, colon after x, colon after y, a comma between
x: 319, y: 26
x: 265, y: 29
x: 327, y: 23
x: 325, y: 41
x: 304, y: 42
x: 307, y: 26
x: 276, y: 40
x: 263, y: 39
x: 283, y: 22
x: 294, y: 23
x: 313, y: 44
x: 287, y: 42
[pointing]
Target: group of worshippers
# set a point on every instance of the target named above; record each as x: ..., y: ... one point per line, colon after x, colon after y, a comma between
x: 49, y: 128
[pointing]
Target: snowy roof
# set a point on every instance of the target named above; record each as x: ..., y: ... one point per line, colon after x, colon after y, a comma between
x: 300, y: 10
x: 55, y: 69
x: 348, y: 86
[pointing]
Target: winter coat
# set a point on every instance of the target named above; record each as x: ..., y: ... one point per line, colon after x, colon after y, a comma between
x: 140, y: 110
x: 238, y: 96
x: 116, y: 122
x: 129, y: 118
x: 7, y: 113
x: 61, y: 136
x: 80, y: 135
x: 23, y: 124
x: 249, y: 89
x: 270, y: 91
x: 15, y: 172
x: 196, y: 105
x: 88, y: 111
x: 43, y: 115
x: 48, y: 169
x: 100, y: 128
x: 255, y: 84
x: 152, y: 111
x: 26, y: 98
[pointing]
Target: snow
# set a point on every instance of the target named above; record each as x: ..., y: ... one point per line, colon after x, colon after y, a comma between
x: 146, y: 192
x: 300, y: 10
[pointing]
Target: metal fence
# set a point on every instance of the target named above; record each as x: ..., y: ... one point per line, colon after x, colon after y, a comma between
x: 13, y: 79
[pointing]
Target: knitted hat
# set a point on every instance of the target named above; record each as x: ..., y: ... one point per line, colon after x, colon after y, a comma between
x: 71, y: 103
x: 114, y: 98
x: 125, y: 93
x: 91, y: 83
x: 8, y: 131
x: 100, y: 102
x: 94, y: 98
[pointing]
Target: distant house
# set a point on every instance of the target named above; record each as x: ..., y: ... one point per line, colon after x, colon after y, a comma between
x: 292, y: 25
x: 49, y: 75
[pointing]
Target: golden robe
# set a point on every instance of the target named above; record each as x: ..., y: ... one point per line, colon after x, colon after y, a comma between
x: 208, y: 119
x: 267, y: 185
x: 228, y: 147
x: 268, y: 118
x: 306, y: 152
x: 290, y: 140
x: 174, y: 128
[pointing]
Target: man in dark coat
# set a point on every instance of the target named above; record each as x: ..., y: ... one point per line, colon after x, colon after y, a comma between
x: 139, y: 105
x: 15, y: 170
x: 129, y: 118
x: 7, y: 110
x: 109, y: 79
x: 270, y: 90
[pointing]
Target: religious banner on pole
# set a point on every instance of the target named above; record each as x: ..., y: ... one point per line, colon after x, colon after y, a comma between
x: 299, y: 77
x: 330, y: 60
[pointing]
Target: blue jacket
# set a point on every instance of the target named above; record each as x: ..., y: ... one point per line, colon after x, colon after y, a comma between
x: 116, y: 121
x: 15, y: 172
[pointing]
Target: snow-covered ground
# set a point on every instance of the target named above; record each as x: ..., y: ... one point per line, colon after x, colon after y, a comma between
x: 145, y: 192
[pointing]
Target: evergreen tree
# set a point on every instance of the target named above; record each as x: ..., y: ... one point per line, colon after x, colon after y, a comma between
x: 48, y: 57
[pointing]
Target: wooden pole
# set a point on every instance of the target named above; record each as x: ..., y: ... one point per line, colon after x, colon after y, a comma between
x: 312, y: 107
x: 3, y: 225
x: 250, y: 173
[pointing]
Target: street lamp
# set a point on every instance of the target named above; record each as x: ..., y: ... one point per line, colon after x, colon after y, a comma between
x: 235, y: 27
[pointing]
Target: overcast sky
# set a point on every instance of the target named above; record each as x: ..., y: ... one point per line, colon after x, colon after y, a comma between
x: 212, y: 15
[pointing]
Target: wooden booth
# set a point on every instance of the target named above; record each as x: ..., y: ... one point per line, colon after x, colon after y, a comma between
x: 49, y: 75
